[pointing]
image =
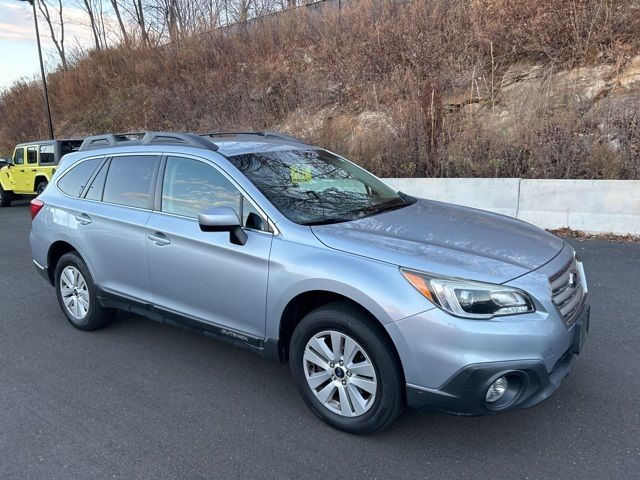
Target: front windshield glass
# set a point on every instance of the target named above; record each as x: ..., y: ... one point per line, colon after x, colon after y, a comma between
x: 313, y: 187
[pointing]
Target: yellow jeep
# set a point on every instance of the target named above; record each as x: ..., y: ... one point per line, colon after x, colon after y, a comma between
x: 33, y: 164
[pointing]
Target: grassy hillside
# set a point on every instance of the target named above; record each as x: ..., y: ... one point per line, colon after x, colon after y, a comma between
x: 422, y: 88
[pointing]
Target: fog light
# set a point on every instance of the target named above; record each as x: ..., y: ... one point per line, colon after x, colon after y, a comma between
x: 497, y: 390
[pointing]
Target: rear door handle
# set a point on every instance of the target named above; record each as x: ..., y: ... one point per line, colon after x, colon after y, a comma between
x: 159, y: 238
x: 83, y: 219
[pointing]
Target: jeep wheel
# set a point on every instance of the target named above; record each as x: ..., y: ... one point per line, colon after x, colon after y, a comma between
x: 76, y: 294
x: 41, y: 186
x: 5, y: 197
x: 345, y: 369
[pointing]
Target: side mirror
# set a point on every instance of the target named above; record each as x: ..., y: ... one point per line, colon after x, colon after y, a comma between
x: 223, y: 219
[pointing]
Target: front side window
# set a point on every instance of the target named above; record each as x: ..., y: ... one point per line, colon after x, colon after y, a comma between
x: 47, y: 154
x: 129, y: 180
x: 32, y: 154
x: 18, y: 156
x: 313, y: 187
x: 77, y: 177
x: 191, y: 186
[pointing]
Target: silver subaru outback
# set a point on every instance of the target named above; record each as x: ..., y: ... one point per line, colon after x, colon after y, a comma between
x: 376, y: 299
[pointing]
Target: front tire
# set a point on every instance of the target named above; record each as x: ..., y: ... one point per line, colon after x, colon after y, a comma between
x: 346, y: 369
x: 6, y: 196
x: 76, y: 294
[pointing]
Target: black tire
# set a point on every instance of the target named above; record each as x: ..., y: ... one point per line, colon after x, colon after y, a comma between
x: 41, y: 186
x: 6, y: 196
x: 389, y: 400
x: 96, y: 315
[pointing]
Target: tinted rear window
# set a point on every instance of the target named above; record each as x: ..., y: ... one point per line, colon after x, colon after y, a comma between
x: 129, y: 180
x: 77, y: 177
x: 68, y: 146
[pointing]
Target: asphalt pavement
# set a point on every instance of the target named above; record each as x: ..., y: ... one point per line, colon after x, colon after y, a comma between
x: 141, y: 400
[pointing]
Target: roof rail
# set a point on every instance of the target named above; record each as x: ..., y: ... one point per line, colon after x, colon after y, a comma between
x: 281, y: 136
x: 146, y: 138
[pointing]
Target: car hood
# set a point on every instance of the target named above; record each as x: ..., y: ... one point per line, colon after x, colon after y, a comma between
x: 446, y: 239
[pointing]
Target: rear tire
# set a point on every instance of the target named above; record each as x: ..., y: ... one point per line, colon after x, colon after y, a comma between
x: 77, y: 296
x: 334, y: 391
x: 41, y: 186
x: 6, y: 196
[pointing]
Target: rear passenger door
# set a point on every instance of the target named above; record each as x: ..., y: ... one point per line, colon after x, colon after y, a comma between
x: 202, y: 275
x: 109, y: 224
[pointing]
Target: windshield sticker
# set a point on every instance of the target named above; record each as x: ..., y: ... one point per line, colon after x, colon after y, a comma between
x: 300, y: 173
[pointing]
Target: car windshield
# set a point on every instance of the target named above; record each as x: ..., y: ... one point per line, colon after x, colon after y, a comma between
x: 314, y: 187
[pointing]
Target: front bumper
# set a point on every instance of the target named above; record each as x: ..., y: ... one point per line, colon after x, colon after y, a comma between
x: 530, y: 381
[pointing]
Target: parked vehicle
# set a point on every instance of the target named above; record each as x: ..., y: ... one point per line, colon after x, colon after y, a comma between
x: 376, y: 299
x: 30, y: 169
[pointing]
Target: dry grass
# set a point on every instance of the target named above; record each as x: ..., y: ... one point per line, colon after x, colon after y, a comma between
x: 399, y: 58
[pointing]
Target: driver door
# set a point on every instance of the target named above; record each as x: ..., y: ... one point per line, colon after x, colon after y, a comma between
x: 27, y: 177
x: 19, y: 170
x: 202, y: 275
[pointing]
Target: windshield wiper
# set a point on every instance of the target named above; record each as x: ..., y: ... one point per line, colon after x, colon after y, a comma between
x: 327, y: 221
x: 390, y: 205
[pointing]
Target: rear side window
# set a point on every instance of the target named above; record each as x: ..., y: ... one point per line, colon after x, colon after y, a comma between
x: 77, y: 177
x: 129, y: 180
x: 47, y: 154
x: 32, y: 154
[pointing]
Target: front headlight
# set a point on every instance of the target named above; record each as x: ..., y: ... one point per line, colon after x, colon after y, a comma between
x: 469, y: 299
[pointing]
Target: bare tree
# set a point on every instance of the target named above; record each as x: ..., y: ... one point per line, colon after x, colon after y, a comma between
x: 93, y: 8
x: 123, y: 30
x: 58, y: 40
x: 137, y: 12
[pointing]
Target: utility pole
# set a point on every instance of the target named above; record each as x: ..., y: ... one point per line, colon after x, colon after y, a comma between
x: 44, y: 78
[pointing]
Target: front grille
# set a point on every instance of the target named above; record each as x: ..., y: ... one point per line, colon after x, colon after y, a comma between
x: 567, y: 291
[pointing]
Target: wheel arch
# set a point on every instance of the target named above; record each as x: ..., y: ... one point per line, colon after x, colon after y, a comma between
x: 55, y: 252
x: 307, y: 301
x: 39, y: 178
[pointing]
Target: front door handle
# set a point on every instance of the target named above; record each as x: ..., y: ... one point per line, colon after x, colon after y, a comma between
x: 34, y: 169
x: 159, y: 238
x: 83, y: 219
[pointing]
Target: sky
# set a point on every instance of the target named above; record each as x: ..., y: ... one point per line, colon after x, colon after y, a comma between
x: 18, y: 49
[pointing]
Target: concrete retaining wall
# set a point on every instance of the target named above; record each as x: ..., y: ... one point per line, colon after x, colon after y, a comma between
x: 595, y: 206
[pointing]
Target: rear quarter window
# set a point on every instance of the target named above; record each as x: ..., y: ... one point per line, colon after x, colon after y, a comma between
x: 73, y: 181
x: 47, y: 154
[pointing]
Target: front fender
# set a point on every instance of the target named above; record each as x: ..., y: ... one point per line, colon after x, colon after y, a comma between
x: 378, y: 287
x: 6, y: 179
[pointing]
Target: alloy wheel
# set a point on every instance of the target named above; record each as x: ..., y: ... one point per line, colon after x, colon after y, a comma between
x: 75, y: 293
x: 340, y: 373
